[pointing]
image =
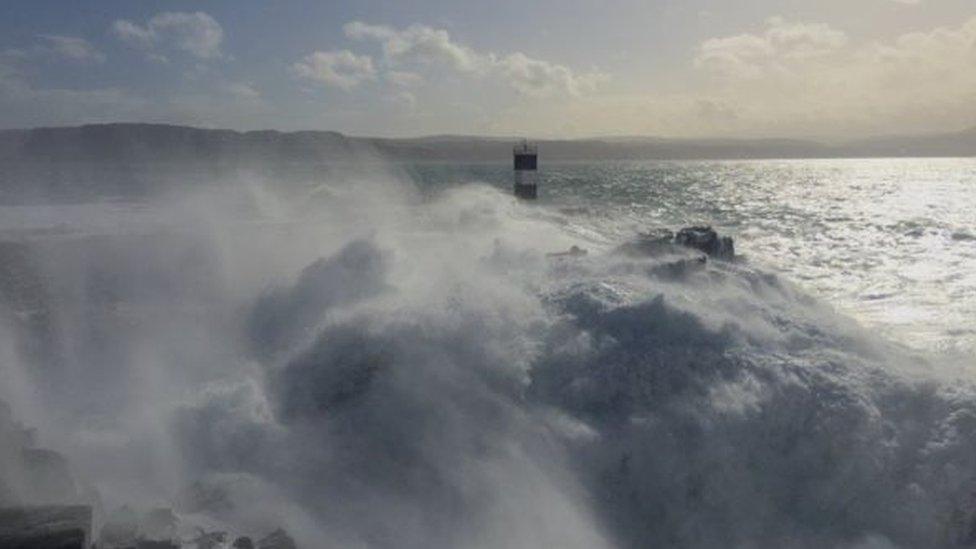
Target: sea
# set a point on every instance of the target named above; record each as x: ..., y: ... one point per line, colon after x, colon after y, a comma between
x: 891, y: 242
x: 400, y: 356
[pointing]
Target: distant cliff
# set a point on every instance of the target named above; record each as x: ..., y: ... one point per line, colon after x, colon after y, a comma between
x: 129, y: 144
x: 126, y: 159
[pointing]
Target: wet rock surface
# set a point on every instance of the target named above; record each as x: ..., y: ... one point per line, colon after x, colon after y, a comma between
x: 664, y: 241
x: 705, y: 239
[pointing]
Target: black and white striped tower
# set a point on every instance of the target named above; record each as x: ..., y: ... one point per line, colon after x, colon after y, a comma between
x: 526, y: 161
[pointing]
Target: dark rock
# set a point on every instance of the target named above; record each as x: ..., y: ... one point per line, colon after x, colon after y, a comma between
x: 662, y: 241
x: 279, y: 539
x: 243, y: 542
x: 705, y: 239
x: 46, y: 527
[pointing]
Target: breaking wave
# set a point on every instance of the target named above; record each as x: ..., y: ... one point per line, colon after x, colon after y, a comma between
x: 371, y: 368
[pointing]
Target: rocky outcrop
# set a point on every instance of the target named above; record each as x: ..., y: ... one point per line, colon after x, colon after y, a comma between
x: 664, y: 241
x: 705, y: 239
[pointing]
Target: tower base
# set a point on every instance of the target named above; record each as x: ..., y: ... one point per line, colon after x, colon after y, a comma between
x: 526, y: 192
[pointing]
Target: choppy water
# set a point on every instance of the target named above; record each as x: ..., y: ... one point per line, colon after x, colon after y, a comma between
x: 890, y: 241
x: 388, y: 359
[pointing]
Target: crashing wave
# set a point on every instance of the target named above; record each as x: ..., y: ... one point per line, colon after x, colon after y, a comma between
x: 440, y: 383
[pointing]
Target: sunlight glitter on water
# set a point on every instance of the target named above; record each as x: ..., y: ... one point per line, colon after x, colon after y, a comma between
x: 889, y: 241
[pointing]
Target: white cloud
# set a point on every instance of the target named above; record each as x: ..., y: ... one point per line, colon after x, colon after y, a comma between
x: 197, y: 34
x: 422, y: 47
x: 403, y: 79
x: 240, y: 90
x: 72, y: 48
x: 796, y: 78
x: 342, y: 69
x: 419, y: 44
x: 129, y: 32
x: 29, y: 104
x: 749, y: 55
x: 541, y: 79
x: 787, y: 79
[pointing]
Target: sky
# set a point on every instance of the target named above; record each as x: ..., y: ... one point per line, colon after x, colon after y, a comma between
x: 824, y: 69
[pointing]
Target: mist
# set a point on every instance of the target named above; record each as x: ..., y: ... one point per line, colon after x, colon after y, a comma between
x: 367, y: 363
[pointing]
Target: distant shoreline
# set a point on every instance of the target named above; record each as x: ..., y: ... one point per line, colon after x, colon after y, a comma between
x: 136, y: 142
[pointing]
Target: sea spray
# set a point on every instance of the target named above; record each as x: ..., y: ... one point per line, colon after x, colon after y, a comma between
x: 369, y: 367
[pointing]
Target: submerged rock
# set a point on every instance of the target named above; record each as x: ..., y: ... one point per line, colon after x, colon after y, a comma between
x: 243, y: 542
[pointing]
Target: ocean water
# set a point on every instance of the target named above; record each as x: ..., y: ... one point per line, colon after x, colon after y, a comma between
x: 891, y: 242
x: 387, y: 357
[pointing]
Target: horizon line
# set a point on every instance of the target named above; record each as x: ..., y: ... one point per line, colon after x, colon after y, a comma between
x: 823, y: 141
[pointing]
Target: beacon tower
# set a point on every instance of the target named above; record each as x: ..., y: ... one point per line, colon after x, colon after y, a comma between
x: 526, y: 160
